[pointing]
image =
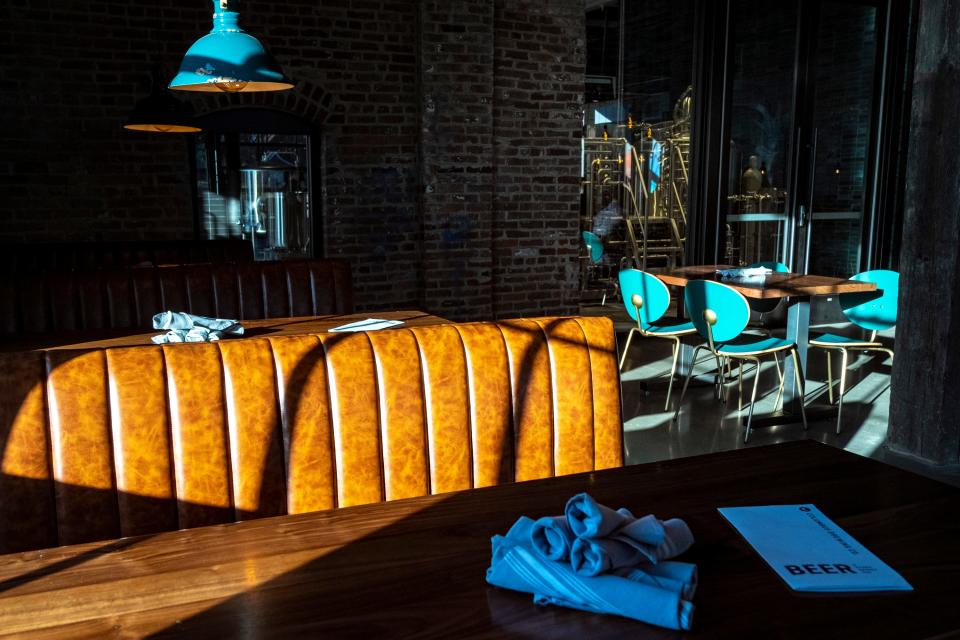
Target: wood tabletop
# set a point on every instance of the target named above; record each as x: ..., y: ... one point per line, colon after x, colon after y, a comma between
x: 252, y: 328
x: 776, y: 285
x: 415, y: 568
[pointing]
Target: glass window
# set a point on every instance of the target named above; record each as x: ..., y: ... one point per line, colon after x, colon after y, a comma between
x: 256, y: 186
x: 636, y: 149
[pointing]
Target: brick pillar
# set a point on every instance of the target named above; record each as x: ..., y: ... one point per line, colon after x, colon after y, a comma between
x: 925, y: 397
x: 539, y: 68
x: 456, y: 80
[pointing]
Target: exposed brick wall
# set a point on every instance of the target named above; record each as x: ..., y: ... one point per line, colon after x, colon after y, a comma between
x: 538, y: 97
x: 451, y: 136
x: 457, y: 77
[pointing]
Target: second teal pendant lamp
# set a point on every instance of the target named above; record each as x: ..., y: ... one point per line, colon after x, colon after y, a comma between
x: 228, y: 59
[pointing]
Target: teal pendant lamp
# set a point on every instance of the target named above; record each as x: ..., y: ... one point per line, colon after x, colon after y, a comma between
x: 228, y: 59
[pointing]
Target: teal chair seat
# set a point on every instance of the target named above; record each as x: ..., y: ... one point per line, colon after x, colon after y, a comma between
x: 720, y: 314
x: 873, y: 311
x: 746, y: 345
x: 832, y: 340
x: 646, y: 299
x: 669, y: 329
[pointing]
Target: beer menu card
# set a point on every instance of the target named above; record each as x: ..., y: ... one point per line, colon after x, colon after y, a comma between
x: 810, y: 552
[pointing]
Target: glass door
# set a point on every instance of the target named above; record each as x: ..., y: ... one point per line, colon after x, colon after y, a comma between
x: 759, y: 166
x: 835, y: 163
x: 801, y: 122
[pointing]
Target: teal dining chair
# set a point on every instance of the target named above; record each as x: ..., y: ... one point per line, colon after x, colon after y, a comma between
x: 871, y: 310
x: 720, y: 314
x: 595, y: 253
x: 646, y: 299
x: 763, y: 306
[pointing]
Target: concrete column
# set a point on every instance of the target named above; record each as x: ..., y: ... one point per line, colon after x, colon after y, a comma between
x: 925, y: 397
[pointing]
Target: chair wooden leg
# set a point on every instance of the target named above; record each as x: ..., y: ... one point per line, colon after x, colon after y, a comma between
x: 800, y: 384
x: 753, y: 398
x: 843, y: 384
x: 626, y: 348
x: 693, y: 363
x: 673, y: 371
x: 829, y: 376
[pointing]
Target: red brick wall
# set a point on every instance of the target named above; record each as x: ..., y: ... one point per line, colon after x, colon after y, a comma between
x: 451, y: 136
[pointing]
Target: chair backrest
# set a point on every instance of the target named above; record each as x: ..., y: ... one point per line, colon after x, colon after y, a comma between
x: 873, y: 310
x: 594, y: 245
x: 652, y: 294
x: 97, y: 444
x: 766, y: 305
x: 728, y: 307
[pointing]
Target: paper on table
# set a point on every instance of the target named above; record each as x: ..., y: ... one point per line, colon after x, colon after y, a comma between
x: 810, y: 552
x: 370, y: 324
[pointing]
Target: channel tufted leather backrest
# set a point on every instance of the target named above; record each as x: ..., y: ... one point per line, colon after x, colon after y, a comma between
x: 47, y: 257
x: 106, y: 443
x: 126, y: 298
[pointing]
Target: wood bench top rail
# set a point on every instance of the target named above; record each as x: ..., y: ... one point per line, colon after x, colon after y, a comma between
x: 416, y: 567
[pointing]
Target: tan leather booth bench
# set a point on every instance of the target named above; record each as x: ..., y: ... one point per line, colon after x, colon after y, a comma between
x: 118, y: 442
x: 129, y: 297
x: 48, y: 257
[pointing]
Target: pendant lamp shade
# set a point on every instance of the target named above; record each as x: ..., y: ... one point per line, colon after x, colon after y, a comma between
x: 228, y: 59
x: 160, y: 112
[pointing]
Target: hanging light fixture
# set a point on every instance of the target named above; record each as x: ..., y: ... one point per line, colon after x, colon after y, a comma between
x: 160, y: 112
x: 228, y: 59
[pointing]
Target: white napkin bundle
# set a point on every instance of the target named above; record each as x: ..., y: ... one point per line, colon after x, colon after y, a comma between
x: 745, y: 274
x: 186, y: 327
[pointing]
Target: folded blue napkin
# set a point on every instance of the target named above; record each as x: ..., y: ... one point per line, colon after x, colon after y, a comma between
x: 679, y: 577
x: 552, y: 537
x: 590, y: 519
x: 641, y: 540
x: 186, y: 327
x: 650, y: 598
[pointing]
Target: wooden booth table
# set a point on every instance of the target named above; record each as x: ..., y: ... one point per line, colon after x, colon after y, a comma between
x: 797, y: 289
x: 415, y: 568
x: 252, y: 329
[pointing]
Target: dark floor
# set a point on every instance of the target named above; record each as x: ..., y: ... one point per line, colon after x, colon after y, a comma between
x: 705, y: 425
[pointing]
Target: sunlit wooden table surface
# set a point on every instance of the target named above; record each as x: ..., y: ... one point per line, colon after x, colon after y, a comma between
x: 103, y: 339
x: 415, y: 568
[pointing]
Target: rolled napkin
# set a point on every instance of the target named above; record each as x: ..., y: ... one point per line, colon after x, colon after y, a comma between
x: 644, y: 540
x: 186, y: 327
x: 590, y: 519
x: 516, y: 565
x: 669, y: 574
x: 552, y: 537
